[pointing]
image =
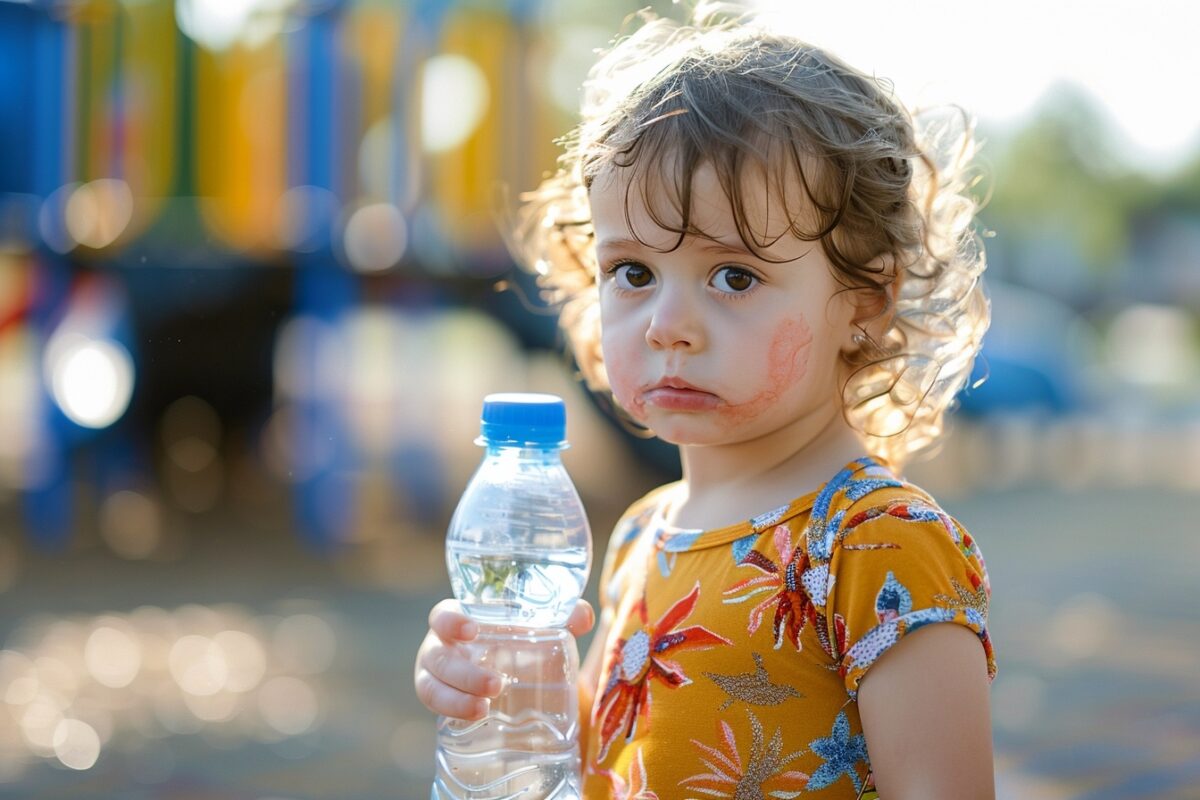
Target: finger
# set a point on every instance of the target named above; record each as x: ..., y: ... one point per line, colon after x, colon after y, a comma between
x: 451, y: 667
x: 582, y: 618
x: 450, y: 624
x: 448, y: 701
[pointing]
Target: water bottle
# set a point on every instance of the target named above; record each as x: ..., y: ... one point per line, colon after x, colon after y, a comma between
x: 518, y: 552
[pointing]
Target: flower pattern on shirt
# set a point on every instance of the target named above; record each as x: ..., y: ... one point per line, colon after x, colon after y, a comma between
x: 640, y: 658
x: 841, y: 574
x: 632, y: 787
x: 794, y: 607
x: 762, y: 775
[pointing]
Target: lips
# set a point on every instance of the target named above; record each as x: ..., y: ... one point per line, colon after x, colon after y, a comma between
x: 676, y: 394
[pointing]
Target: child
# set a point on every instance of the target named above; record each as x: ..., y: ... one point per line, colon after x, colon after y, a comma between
x: 766, y: 265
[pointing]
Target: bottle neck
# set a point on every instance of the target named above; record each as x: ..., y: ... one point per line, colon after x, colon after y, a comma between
x: 506, y: 452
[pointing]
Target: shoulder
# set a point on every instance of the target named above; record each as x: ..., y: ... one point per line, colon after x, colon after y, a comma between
x: 872, y: 501
x: 907, y: 513
x: 638, y: 516
x: 625, y: 533
x: 894, y: 561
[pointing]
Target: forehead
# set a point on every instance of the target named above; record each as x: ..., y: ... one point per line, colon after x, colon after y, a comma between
x: 755, y: 206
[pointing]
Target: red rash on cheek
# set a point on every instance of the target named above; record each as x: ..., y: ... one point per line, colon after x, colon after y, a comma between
x: 787, y: 364
x: 621, y: 363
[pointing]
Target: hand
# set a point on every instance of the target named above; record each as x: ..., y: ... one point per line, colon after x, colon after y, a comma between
x: 446, y: 680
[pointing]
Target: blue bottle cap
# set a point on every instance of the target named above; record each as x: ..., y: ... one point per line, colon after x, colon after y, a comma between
x: 524, y: 420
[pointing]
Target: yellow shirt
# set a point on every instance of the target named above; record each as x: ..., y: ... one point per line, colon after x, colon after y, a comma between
x: 733, y: 660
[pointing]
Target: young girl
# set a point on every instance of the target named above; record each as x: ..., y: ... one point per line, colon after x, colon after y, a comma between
x: 768, y: 264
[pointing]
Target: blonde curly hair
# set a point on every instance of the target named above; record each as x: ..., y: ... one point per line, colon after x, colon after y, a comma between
x: 885, y: 192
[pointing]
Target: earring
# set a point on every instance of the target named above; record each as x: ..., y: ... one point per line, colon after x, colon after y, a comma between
x: 865, y: 343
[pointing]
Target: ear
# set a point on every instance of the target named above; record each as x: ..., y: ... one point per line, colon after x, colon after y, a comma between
x: 874, y: 308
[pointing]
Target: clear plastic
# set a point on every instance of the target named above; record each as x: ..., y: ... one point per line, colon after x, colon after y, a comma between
x: 518, y: 552
x: 527, y: 745
x: 519, y: 547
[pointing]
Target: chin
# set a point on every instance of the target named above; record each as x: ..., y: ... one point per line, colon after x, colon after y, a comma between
x: 686, y: 432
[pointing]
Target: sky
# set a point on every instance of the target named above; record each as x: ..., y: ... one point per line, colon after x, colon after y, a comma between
x: 1139, y: 59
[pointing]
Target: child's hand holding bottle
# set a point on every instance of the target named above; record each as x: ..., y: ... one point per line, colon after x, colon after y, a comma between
x: 446, y: 679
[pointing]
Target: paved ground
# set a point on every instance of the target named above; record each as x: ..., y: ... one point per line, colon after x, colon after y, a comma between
x: 1095, y: 620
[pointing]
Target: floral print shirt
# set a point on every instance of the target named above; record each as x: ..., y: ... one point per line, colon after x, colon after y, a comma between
x: 734, y: 655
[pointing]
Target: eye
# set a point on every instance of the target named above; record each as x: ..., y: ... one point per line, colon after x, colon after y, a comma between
x: 632, y: 276
x: 734, y: 280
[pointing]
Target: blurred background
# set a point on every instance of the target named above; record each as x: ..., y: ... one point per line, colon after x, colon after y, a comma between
x: 252, y: 292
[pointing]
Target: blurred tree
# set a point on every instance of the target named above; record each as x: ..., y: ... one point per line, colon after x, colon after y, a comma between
x: 1063, y: 172
x: 1182, y: 189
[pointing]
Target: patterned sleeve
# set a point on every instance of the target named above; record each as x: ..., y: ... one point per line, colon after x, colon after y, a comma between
x: 625, y: 533
x: 897, y: 566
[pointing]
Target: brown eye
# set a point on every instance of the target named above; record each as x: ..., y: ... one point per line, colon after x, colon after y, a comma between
x: 634, y: 276
x: 734, y: 280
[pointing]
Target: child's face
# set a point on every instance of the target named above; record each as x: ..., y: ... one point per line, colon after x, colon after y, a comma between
x: 708, y: 344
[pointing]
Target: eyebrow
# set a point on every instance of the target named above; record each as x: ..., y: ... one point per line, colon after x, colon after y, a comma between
x: 708, y: 245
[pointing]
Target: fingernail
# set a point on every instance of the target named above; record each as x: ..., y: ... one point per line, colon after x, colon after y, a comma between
x: 468, y: 630
x: 494, y: 685
x: 481, y: 707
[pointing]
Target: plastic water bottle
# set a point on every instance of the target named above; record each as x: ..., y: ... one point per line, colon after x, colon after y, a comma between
x: 518, y: 552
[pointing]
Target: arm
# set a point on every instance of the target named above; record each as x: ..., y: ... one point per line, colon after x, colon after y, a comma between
x: 925, y: 713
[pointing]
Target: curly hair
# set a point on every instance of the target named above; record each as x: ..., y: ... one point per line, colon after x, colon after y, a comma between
x: 885, y: 192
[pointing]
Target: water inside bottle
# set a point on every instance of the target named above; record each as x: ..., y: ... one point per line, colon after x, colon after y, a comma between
x: 533, y: 588
x: 527, y: 746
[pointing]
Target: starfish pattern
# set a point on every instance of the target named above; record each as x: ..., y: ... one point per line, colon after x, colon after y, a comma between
x: 842, y: 753
x: 639, y: 658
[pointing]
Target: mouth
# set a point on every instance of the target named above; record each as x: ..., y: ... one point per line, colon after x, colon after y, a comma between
x: 675, y: 394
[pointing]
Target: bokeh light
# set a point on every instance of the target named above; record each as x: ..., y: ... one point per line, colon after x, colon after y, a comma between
x: 131, y: 524
x: 375, y: 237
x: 77, y: 685
x: 97, y: 213
x: 446, y: 125
x: 112, y: 655
x: 191, y: 435
x: 92, y: 379
x: 219, y: 24
x: 288, y: 705
x: 76, y: 744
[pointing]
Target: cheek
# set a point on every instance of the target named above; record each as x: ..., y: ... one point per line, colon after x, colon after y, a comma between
x: 787, y: 365
x: 787, y: 360
x: 622, y: 362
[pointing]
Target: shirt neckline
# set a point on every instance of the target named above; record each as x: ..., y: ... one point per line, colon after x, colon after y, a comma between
x: 672, y: 539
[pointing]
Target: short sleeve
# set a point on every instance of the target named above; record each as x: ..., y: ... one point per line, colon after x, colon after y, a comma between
x: 896, y: 566
x: 626, y: 532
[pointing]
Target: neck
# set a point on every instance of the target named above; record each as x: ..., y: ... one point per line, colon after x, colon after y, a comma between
x: 729, y: 483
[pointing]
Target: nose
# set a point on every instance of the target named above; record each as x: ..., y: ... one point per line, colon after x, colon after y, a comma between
x: 676, y: 321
